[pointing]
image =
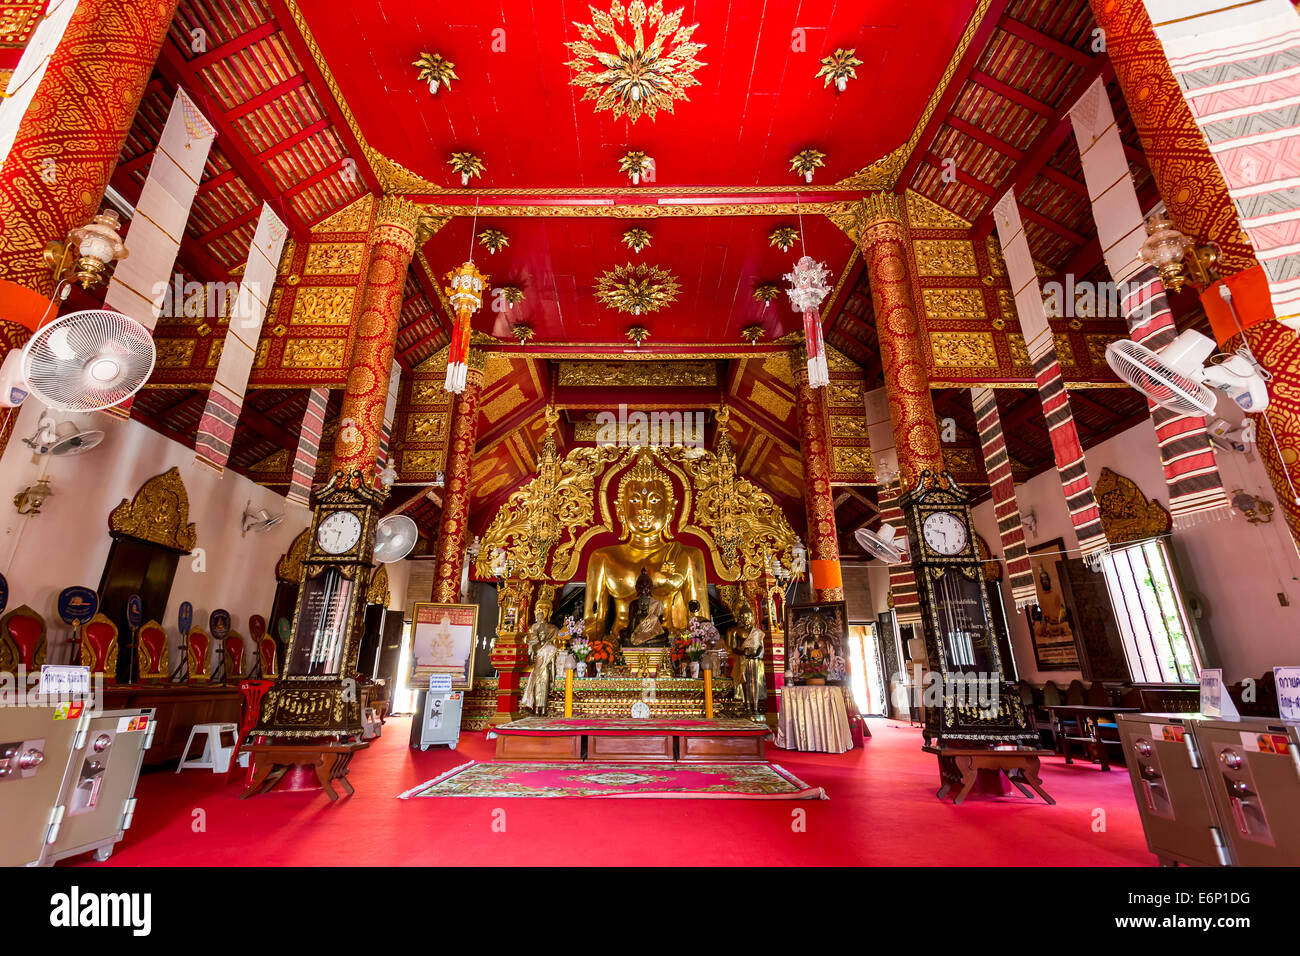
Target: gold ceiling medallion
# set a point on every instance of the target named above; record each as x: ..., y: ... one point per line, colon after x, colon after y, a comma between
x: 493, y: 240
x: 839, y: 68
x: 524, y: 333
x: 752, y: 334
x: 637, y: 239
x: 467, y: 164
x: 159, y: 513
x: 436, y: 70
x: 510, y: 295
x: 766, y: 292
x: 637, y: 289
x: 783, y: 237
x: 634, y: 77
x: 636, y: 164
x: 638, y: 334
x: 807, y: 160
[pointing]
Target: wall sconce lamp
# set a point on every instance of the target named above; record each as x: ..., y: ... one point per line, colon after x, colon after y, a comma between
x: 29, y: 500
x: 1177, y: 256
x: 88, y: 251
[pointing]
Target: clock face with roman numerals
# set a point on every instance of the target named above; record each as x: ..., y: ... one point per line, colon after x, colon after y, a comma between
x: 945, y: 533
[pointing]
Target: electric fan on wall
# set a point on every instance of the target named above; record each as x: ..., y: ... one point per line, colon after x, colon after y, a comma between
x: 882, y: 544
x: 395, y: 536
x: 1177, y: 377
x: 81, y: 362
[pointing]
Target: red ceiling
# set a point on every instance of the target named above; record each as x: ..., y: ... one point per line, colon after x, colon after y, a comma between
x: 758, y: 104
x: 717, y: 262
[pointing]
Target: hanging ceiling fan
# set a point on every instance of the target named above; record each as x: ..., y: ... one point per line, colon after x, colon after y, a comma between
x: 81, y: 362
x: 259, y: 521
x: 883, y: 544
x: 395, y: 536
x: 1177, y: 377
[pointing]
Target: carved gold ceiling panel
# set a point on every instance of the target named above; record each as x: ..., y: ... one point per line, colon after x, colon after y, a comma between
x: 635, y: 374
x: 945, y: 257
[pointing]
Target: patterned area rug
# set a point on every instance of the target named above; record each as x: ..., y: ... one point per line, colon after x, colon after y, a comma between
x: 709, y: 781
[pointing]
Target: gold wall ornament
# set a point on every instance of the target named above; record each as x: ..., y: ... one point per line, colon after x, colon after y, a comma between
x: 964, y: 349
x: 511, y: 295
x: 623, y: 374
x: 1126, y: 513
x: 945, y: 257
x: 925, y: 213
x: 377, y: 591
x: 806, y: 161
x: 637, y: 289
x: 493, y: 240
x: 753, y: 334
x: 838, y: 68
x: 766, y: 292
x: 1255, y: 509
x: 638, y: 334
x: 964, y: 304
x: 467, y: 164
x: 636, y: 164
x: 784, y: 237
x: 627, y: 74
x: 523, y: 333
x: 436, y: 70
x: 637, y: 239
x: 159, y: 513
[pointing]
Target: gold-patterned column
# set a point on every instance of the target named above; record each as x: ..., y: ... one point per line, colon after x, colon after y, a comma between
x: 453, y: 527
x: 819, y: 503
x: 361, y: 419
x: 902, y: 358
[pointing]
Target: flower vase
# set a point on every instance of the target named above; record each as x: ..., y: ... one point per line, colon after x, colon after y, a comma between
x: 599, y: 665
x: 693, y: 669
x: 581, y: 669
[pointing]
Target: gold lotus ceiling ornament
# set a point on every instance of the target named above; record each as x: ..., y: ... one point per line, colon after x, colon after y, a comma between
x: 839, y: 68
x: 783, y: 237
x: 493, y: 240
x: 637, y: 289
x: 436, y: 70
x: 636, y: 164
x: 524, y: 333
x: 807, y: 160
x: 766, y: 292
x: 638, y: 334
x: 635, y: 76
x: 467, y: 164
x: 511, y: 295
x: 753, y: 334
x: 637, y: 239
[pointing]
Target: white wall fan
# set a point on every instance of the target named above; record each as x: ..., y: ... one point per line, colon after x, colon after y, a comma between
x: 62, y: 439
x: 81, y: 362
x: 883, y: 544
x: 1178, y: 378
x: 395, y: 536
x: 259, y: 520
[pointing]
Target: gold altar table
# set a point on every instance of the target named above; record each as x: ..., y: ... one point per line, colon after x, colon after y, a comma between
x: 667, y: 697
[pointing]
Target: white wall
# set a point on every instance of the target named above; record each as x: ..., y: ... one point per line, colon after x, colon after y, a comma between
x: 68, y: 542
x: 1236, y: 569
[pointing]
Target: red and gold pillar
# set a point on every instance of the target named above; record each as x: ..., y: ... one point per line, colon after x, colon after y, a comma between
x: 361, y: 419
x: 70, y: 137
x: 823, y: 544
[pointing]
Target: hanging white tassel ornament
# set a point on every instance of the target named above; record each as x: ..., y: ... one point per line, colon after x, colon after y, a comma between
x: 465, y: 293
x: 809, y: 285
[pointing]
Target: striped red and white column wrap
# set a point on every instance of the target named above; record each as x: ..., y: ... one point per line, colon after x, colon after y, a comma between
x: 1238, y: 65
x: 309, y: 436
x: 1191, y: 471
x: 1006, y: 510
x: 1066, y: 447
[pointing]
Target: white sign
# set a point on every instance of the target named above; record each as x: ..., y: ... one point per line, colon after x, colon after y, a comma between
x: 1215, y: 700
x: 439, y: 683
x: 1288, y: 692
x: 65, y: 681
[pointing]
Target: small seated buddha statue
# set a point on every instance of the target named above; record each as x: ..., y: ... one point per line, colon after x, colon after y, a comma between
x: 646, y: 627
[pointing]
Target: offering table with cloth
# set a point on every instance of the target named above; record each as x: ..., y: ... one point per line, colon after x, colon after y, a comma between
x: 813, y: 717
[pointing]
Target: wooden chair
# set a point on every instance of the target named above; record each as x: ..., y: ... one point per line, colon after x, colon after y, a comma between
x: 234, y: 649
x: 1075, y: 694
x: 98, y: 647
x: 198, y: 652
x: 1098, y: 695
x: 266, y: 650
x: 151, y: 651
x: 22, y: 640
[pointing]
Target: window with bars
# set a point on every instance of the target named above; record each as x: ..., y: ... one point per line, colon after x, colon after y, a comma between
x: 1152, y: 617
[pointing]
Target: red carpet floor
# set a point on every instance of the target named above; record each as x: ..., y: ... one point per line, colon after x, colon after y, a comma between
x: 882, y: 811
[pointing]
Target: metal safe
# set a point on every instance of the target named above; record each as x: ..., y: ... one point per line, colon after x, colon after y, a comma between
x: 67, y: 780
x: 1170, y: 786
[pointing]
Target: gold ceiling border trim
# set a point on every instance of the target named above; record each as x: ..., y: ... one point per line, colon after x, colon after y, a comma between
x: 159, y: 513
x: 1014, y: 383
x: 639, y: 210
x: 893, y: 164
x: 482, y: 192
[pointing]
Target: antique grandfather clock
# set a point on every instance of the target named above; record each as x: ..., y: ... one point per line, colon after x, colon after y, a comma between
x: 316, y: 695
x: 960, y: 639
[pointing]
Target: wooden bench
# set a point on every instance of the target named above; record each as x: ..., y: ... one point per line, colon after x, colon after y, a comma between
x: 961, y: 767
x: 329, y: 761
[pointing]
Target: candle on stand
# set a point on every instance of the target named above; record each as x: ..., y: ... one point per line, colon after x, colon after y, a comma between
x: 568, y: 692
x: 708, y: 693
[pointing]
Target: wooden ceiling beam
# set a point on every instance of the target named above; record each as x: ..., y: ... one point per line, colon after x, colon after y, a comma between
x: 961, y: 176
x: 1051, y: 225
x: 234, y: 45
x: 985, y: 138
x: 1044, y: 42
x: 307, y: 132
x: 994, y: 85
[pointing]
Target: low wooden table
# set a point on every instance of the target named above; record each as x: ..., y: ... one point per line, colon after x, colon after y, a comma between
x: 631, y: 740
x: 329, y: 760
x: 961, y: 767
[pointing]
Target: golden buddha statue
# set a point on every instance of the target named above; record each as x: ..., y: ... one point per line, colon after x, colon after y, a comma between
x: 645, y: 509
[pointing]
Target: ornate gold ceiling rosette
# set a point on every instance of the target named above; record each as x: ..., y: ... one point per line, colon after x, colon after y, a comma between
x: 580, y: 498
x: 637, y: 289
x: 628, y: 74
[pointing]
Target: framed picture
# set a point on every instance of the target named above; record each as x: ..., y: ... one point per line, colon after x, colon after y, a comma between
x: 443, y: 639
x: 1052, y: 623
x: 817, y: 643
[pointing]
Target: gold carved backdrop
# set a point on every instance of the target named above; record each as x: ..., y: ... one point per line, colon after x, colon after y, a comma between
x: 550, y: 523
